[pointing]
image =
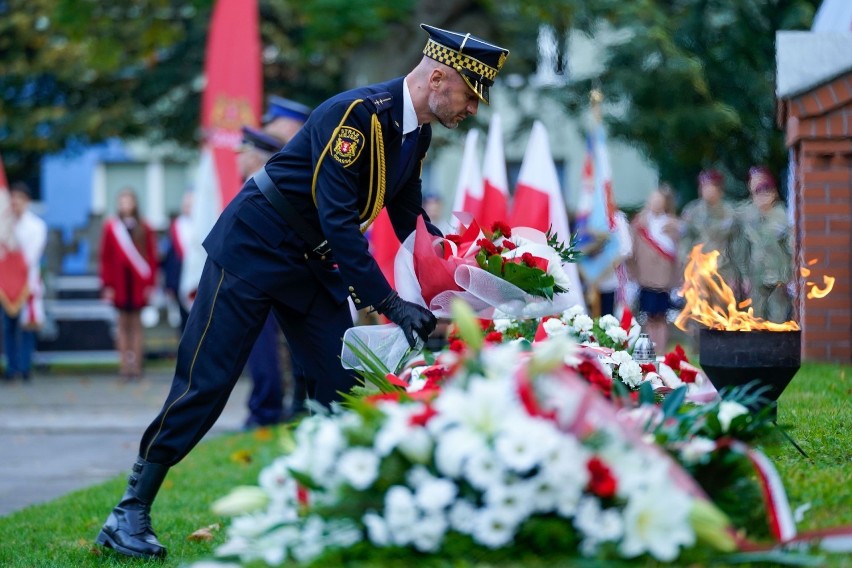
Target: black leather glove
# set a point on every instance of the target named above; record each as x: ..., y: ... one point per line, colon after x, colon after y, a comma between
x: 410, y: 317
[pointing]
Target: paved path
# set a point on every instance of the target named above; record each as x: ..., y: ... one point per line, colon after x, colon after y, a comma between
x: 60, y: 433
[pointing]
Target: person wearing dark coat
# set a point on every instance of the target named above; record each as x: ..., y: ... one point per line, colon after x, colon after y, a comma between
x: 292, y: 242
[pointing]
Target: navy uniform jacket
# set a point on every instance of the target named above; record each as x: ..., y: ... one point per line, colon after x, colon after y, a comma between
x: 338, y: 171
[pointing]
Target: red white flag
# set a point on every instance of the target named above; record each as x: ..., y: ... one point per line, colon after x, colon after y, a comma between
x: 384, y: 245
x: 495, y: 193
x: 469, y: 188
x: 232, y: 99
x: 538, y: 199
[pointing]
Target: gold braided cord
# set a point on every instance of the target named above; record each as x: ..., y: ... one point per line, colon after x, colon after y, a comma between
x: 327, y: 146
x: 456, y: 60
x: 377, y: 157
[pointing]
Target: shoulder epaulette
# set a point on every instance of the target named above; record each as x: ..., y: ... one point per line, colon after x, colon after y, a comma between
x: 380, y: 101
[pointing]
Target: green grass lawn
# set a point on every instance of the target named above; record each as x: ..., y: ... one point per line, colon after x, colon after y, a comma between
x: 816, y: 410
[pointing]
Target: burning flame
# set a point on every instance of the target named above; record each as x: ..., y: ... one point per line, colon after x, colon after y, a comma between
x: 814, y: 291
x: 711, y: 302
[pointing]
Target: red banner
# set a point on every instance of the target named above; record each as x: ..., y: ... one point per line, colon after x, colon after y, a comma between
x: 234, y: 89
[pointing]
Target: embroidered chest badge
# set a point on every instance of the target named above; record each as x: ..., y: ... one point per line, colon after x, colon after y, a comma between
x: 347, y: 145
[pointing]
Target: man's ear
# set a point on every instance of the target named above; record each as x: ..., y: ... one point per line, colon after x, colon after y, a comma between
x: 436, y: 77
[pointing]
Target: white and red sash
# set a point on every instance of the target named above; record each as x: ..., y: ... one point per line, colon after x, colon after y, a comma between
x: 652, y: 232
x: 128, y: 249
x: 180, y: 232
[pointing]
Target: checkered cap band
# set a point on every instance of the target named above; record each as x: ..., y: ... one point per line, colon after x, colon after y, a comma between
x: 456, y: 60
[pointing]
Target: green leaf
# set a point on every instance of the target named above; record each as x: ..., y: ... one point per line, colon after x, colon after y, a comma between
x: 673, y: 402
x: 646, y: 394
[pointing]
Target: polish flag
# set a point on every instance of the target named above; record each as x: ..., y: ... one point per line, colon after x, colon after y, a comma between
x: 538, y: 199
x: 469, y: 188
x: 384, y: 244
x: 495, y: 193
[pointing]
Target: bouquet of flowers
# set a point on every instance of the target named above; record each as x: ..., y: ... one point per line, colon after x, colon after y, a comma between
x: 516, y: 271
x: 512, y: 453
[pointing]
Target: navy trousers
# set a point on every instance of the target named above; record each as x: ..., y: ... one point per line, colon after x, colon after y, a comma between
x: 225, y: 320
x: 266, y: 401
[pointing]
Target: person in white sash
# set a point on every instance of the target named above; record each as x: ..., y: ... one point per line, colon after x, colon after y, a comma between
x: 128, y: 272
x: 654, y: 264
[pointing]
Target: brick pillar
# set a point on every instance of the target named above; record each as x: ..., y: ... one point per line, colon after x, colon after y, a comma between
x: 819, y: 131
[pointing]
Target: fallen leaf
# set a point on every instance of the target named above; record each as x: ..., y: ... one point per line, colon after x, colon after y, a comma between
x: 205, y: 534
x: 241, y: 456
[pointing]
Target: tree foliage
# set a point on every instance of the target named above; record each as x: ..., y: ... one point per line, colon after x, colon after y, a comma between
x: 691, y: 81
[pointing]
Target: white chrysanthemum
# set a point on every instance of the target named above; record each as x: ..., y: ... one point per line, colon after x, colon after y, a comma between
x: 377, y: 529
x: 462, y: 516
x: 657, y: 522
x: 417, y: 445
x: 545, y: 493
x: 498, y: 360
x: 617, y: 335
x: 342, y: 533
x: 435, y: 494
x: 523, y: 442
x: 395, y: 428
x: 359, y: 467
x: 311, y: 541
x: 482, y: 469
x: 582, y: 323
x: 631, y: 373
x: 492, y: 528
x: 694, y: 450
x: 514, y: 499
x: 428, y: 532
x: 554, y: 326
x: 400, y: 508
x: 453, y: 448
x: 597, y: 525
x: 728, y: 410
x: 502, y: 324
x: 572, y: 312
x: 608, y: 321
x: 619, y: 357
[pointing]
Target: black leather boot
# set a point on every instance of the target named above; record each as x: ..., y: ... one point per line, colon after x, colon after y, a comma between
x: 128, y: 528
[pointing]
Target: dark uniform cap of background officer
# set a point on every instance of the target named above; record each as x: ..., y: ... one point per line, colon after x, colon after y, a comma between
x: 259, y: 140
x: 279, y: 107
x: 476, y: 60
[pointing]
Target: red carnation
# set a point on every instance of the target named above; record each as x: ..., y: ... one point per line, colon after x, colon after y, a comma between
x: 503, y: 228
x: 487, y: 246
x: 494, y: 337
x: 457, y: 345
x: 598, y: 380
x: 601, y: 481
x: 648, y: 368
x: 509, y: 245
x: 688, y: 375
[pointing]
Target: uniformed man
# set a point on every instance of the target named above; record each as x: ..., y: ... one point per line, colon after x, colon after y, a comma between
x: 768, y: 253
x: 711, y: 222
x: 292, y: 242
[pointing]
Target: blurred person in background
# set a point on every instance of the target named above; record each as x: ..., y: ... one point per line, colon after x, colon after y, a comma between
x: 712, y: 222
x: 433, y: 205
x: 766, y: 257
x: 20, y: 322
x: 654, y: 265
x: 128, y: 264
x: 172, y: 263
x: 266, y: 400
x: 283, y: 120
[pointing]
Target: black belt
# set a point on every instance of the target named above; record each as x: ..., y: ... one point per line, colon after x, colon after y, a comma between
x: 281, y: 204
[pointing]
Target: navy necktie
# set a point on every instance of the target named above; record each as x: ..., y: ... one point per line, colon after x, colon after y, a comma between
x: 408, y: 146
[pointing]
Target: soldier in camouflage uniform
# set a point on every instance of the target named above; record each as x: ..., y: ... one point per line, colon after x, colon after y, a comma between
x: 711, y: 221
x: 768, y: 250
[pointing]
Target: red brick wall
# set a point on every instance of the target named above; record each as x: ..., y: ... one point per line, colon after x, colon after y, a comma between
x: 818, y: 127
